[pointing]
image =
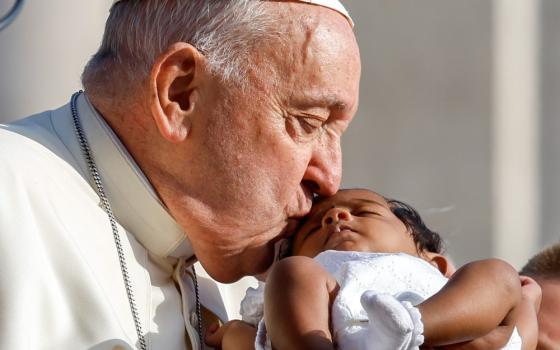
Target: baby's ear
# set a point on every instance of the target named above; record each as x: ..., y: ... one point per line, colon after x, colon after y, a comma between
x: 443, y: 264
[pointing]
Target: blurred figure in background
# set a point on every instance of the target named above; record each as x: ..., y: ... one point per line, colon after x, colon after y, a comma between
x: 545, y: 269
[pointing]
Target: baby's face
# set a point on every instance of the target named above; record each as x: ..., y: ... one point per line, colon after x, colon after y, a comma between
x: 353, y: 220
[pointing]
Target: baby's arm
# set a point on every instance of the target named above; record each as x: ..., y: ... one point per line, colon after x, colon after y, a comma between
x: 298, y: 298
x: 478, y: 298
x: 526, y: 324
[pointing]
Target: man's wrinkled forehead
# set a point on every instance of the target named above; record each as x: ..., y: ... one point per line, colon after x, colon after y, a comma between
x: 332, y: 4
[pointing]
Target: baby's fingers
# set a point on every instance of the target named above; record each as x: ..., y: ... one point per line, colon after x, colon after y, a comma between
x: 214, y: 335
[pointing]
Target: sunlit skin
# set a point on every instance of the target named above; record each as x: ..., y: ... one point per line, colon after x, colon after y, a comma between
x: 238, y: 167
x: 353, y: 220
x: 254, y: 157
x: 548, y: 316
x: 485, y: 295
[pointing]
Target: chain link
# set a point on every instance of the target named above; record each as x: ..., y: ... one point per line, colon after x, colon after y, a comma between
x: 94, y: 173
x: 198, y: 312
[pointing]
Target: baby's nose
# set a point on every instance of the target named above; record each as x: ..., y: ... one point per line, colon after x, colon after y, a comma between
x: 336, y: 215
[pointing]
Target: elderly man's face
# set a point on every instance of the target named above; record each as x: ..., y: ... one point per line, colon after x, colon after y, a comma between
x: 262, y: 152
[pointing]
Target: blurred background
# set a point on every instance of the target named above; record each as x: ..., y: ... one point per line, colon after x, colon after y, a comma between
x: 458, y: 113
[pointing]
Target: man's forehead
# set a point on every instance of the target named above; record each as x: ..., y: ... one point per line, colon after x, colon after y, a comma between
x: 332, y: 4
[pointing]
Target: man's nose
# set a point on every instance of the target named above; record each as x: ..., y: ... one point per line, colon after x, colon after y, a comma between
x: 324, y: 170
x: 335, y: 215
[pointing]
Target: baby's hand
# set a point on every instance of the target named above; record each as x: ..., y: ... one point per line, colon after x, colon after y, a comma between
x: 214, y: 335
x: 233, y: 335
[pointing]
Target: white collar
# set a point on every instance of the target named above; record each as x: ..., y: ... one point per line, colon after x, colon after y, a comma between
x: 134, y: 201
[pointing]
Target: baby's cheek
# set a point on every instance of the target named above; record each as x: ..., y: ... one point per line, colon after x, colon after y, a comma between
x: 309, y: 248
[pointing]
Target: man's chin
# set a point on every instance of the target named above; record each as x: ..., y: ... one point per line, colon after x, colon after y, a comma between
x: 251, y: 263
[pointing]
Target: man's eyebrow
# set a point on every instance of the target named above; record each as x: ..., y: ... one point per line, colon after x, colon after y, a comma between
x: 331, y: 102
x: 336, y: 104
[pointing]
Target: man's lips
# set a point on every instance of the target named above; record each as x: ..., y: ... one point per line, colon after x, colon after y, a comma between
x: 301, y: 204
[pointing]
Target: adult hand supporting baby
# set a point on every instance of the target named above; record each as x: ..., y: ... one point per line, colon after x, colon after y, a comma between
x: 494, y: 340
x: 234, y: 335
x: 526, y: 325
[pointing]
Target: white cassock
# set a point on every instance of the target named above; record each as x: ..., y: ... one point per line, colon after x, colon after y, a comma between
x: 61, y: 285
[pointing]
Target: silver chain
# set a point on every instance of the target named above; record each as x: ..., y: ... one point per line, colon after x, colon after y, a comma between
x: 94, y: 173
x: 198, y: 312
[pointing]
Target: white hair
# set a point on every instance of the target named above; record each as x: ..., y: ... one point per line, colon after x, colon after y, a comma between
x: 137, y: 31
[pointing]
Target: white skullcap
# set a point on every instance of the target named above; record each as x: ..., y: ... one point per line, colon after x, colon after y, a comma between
x: 332, y: 4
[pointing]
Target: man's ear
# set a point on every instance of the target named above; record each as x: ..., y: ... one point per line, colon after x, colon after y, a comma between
x: 443, y: 264
x: 174, y: 90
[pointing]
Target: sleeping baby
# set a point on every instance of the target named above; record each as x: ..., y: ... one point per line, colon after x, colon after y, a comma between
x: 366, y: 273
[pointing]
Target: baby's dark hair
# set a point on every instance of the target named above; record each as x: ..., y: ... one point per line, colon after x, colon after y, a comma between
x: 424, y: 238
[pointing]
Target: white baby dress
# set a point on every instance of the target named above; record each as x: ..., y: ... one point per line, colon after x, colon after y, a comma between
x: 374, y: 308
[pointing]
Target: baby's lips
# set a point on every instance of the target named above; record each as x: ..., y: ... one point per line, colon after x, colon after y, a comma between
x: 334, y: 229
x: 339, y: 228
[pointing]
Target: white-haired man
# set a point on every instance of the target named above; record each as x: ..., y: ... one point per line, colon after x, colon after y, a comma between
x: 204, y: 130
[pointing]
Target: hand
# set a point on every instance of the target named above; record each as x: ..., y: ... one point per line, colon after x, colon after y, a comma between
x: 215, y: 335
x: 527, y: 324
x: 236, y: 335
x: 531, y: 291
x: 494, y: 340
